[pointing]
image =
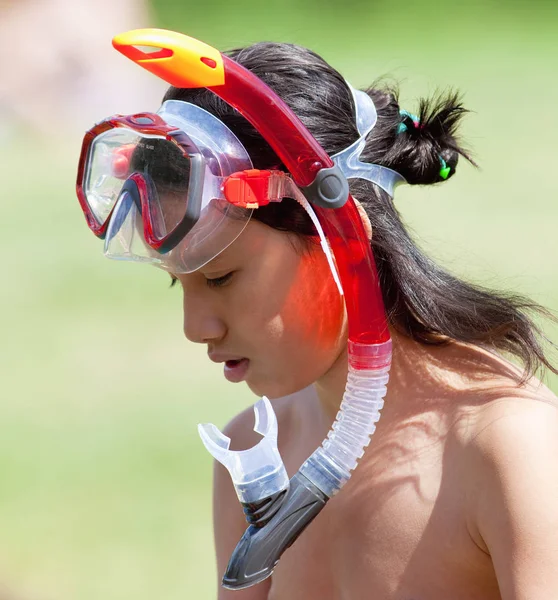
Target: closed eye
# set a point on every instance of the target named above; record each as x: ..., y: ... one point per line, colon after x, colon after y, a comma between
x: 219, y: 281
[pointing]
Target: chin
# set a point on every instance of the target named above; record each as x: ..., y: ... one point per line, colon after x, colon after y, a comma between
x: 273, y: 390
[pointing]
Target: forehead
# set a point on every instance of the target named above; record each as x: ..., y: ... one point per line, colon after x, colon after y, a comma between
x: 257, y: 240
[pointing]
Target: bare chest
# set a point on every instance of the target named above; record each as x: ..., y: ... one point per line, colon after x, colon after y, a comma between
x: 397, y: 531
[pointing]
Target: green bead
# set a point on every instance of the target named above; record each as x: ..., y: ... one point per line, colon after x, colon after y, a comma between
x: 444, y: 173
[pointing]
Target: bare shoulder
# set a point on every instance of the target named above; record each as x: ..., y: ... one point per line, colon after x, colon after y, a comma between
x: 509, y: 454
x: 512, y: 474
x: 489, y: 387
x: 504, y: 400
x: 519, y: 416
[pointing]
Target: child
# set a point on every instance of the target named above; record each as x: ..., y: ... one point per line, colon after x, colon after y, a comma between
x: 457, y: 495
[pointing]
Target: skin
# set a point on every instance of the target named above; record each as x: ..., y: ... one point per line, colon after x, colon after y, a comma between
x: 261, y: 312
x: 457, y: 494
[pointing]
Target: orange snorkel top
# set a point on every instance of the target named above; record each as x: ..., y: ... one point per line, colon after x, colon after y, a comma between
x: 178, y: 59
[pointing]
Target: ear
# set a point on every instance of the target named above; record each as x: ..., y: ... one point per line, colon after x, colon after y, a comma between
x: 365, y: 219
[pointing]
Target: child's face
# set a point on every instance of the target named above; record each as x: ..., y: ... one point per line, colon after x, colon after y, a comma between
x: 279, y: 309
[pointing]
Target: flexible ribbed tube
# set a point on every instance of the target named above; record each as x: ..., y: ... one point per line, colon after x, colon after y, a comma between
x: 330, y: 466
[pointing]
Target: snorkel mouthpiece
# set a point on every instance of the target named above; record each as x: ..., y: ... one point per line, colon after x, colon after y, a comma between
x: 276, y: 510
x: 257, y: 473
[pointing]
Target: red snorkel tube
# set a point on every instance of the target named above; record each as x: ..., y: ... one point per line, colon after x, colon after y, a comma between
x: 277, y: 520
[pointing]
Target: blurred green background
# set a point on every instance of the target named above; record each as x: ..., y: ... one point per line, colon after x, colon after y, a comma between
x: 104, y: 485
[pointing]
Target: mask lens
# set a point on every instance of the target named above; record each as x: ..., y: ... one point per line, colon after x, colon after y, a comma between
x: 119, y: 152
x: 144, y: 187
x: 124, y: 239
x: 167, y: 171
x: 106, y: 170
x: 219, y: 225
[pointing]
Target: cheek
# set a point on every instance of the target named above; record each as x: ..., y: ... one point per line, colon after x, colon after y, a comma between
x: 312, y: 322
x: 294, y: 328
x: 314, y: 308
x: 291, y: 297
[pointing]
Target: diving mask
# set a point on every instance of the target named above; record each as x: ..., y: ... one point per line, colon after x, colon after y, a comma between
x: 176, y: 188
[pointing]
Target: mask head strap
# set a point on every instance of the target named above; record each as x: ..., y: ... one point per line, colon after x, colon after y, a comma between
x: 348, y: 160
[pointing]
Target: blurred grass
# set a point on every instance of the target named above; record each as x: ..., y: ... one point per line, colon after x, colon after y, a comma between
x: 105, y: 488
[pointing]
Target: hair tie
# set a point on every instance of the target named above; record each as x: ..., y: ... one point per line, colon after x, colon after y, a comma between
x: 445, y: 170
x: 402, y: 127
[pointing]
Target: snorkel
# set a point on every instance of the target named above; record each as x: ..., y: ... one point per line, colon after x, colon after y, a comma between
x: 277, y: 509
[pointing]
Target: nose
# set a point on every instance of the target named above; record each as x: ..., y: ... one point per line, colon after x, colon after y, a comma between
x: 202, y: 323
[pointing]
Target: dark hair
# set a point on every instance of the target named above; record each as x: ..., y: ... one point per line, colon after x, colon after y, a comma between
x: 423, y: 301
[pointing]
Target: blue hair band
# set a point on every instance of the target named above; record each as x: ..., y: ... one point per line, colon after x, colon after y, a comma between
x: 402, y: 127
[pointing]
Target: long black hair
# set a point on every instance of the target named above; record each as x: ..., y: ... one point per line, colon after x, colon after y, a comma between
x: 423, y: 301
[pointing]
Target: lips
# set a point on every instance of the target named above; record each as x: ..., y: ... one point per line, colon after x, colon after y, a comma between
x: 235, y: 370
x: 224, y: 358
x: 235, y: 367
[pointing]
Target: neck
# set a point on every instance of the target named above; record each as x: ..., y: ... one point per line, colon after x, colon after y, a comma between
x: 414, y: 371
x: 331, y: 386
